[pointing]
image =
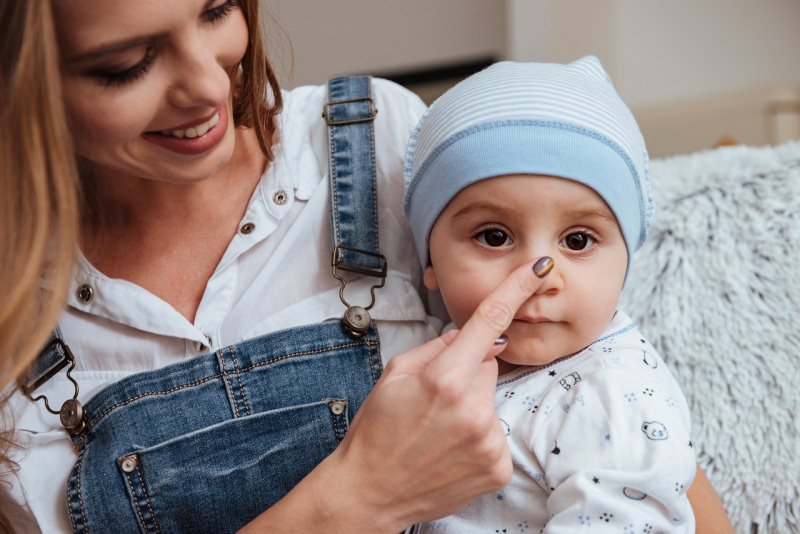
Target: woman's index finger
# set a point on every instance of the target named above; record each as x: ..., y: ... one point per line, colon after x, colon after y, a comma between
x: 493, y: 316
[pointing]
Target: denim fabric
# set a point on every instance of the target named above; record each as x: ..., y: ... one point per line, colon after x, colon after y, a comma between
x: 208, y: 444
x: 354, y: 218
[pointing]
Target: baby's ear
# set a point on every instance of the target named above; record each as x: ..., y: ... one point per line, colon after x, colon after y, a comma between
x: 429, y: 278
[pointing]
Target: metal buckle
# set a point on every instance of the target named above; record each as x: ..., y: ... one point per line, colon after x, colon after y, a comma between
x: 356, y: 320
x: 71, y: 412
x: 339, y: 122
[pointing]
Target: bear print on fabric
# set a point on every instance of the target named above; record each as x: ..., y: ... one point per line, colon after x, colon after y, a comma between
x: 655, y: 430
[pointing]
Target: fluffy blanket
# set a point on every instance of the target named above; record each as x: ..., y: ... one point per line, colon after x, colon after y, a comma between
x: 717, y: 290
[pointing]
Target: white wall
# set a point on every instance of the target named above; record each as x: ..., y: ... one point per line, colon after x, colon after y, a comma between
x: 693, y: 71
x: 332, y: 37
x: 662, y: 51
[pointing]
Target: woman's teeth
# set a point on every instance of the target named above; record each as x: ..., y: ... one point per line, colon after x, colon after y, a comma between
x: 195, y: 131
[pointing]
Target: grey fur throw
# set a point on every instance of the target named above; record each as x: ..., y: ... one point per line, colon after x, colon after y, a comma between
x: 717, y: 290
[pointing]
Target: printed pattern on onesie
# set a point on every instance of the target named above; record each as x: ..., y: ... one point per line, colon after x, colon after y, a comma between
x: 600, y: 442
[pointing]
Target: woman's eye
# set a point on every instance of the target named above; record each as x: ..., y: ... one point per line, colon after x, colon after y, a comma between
x: 216, y: 13
x: 578, y: 241
x: 124, y: 76
x: 493, y: 237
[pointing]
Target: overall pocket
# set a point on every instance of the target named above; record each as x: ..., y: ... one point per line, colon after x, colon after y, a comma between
x: 219, y: 478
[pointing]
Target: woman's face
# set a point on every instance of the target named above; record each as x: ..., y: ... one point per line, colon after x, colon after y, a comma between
x: 147, y: 84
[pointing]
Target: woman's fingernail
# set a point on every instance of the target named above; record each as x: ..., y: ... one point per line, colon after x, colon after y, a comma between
x: 502, y: 340
x: 543, y: 266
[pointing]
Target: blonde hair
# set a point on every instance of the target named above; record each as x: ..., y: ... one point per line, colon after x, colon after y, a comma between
x: 38, y: 185
x: 38, y: 199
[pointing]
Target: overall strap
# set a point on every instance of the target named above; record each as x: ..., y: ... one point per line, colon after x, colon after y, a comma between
x: 349, y: 114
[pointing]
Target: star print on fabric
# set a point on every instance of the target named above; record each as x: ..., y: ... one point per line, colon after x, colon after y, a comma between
x: 552, y: 373
x: 608, y: 437
x: 596, y: 480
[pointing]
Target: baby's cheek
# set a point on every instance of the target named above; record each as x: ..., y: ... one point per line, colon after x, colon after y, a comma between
x: 463, y: 299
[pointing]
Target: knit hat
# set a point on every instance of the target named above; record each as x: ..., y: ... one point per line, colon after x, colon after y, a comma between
x: 530, y: 118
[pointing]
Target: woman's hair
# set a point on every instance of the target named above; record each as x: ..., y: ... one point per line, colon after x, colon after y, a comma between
x: 257, y: 100
x: 38, y: 185
x: 38, y: 199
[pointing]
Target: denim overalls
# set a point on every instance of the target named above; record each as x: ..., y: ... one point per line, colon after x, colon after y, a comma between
x: 207, y: 444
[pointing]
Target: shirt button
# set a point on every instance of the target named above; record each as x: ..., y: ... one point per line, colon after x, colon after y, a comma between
x: 85, y: 293
x: 280, y: 197
x: 247, y: 228
x: 202, y: 346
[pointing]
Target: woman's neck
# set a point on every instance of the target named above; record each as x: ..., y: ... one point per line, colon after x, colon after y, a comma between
x: 140, y: 206
x: 148, y: 232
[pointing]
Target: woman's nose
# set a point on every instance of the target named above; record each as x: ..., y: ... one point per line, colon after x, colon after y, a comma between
x: 200, y: 80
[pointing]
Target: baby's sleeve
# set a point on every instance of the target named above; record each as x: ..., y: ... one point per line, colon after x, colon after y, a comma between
x: 616, y: 453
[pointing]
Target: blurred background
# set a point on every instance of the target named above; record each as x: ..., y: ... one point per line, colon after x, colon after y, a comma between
x: 697, y: 74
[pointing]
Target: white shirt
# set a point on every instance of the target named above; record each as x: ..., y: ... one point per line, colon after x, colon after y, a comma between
x: 277, y: 276
x: 600, y: 442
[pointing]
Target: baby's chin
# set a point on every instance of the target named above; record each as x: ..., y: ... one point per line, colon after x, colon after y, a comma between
x: 536, y: 351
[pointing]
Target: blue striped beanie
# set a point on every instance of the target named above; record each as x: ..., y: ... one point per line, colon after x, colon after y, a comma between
x: 530, y: 118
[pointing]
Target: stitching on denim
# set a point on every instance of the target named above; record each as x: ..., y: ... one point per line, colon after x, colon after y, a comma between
x: 306, y: 353
x: 239, y: 379
x: 80, y: 500
x: 229, y: 386
x: 333, y: 422
x: 135, y: 498
x: 104, y: 413
x: 374, y: 179
x: 77, y: 488
x: 332, y: 162
x: 147, y: 498
x: 374, y: 359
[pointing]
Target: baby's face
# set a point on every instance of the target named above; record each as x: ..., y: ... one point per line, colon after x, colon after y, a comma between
x: 495, y: 225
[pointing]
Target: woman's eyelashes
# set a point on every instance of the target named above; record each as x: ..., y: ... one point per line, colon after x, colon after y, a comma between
x: 219, y: 12
x: 112, y: 77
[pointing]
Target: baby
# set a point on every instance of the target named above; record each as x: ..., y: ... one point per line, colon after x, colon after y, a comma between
x: 523, y: 161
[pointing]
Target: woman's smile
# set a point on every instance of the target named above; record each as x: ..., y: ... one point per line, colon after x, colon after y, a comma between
x: 194, y: 137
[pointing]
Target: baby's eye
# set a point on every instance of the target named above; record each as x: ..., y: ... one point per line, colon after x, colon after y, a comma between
x: 493, y: 237
x: 578, y: 241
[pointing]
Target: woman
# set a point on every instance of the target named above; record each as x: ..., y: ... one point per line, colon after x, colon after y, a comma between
x: 207, y: 223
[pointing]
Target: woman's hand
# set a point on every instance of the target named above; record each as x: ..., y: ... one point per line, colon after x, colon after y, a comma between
x: 426, y: 441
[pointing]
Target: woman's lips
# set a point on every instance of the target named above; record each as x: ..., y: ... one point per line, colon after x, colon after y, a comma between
x: 195, y: 137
